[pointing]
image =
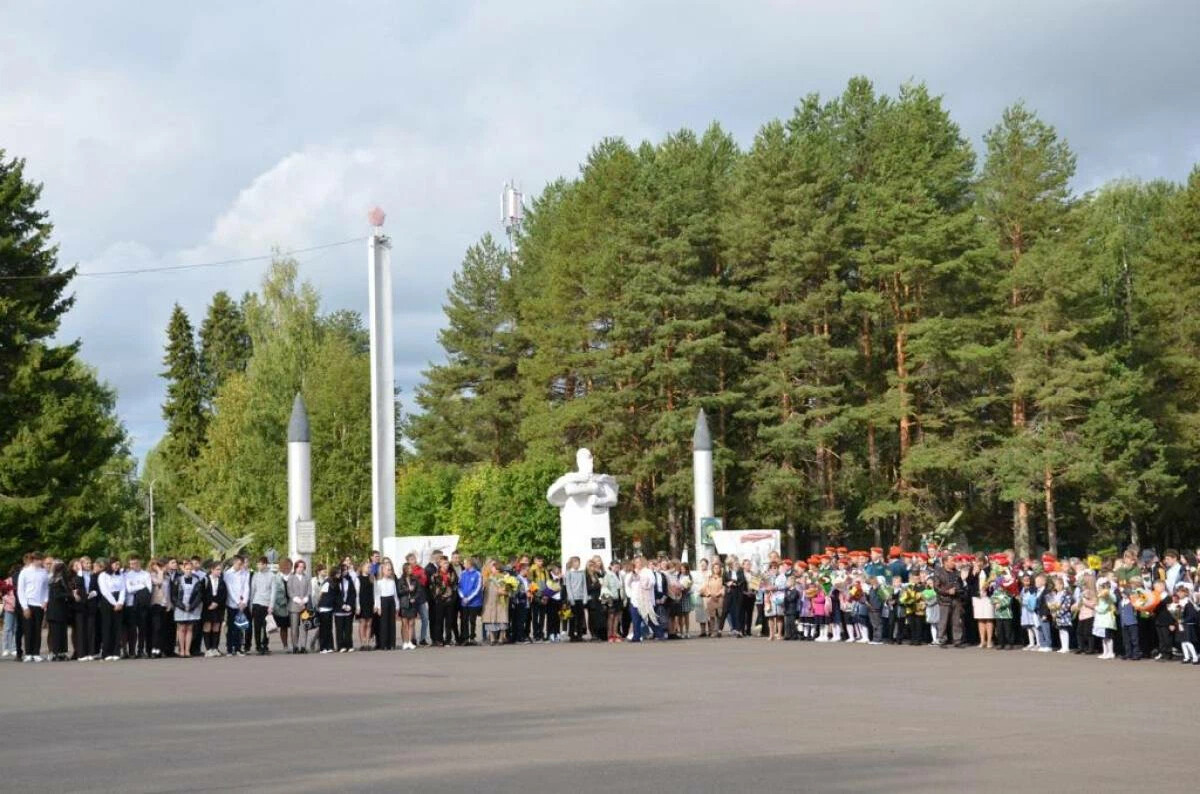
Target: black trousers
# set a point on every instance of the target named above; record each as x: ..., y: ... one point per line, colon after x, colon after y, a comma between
x: 439, y: 615
x: 259, y: 615
x: 385, y: 639
x: 235, y: 639
x: 85, y: 632
x: 325, y: 630
x: 470, y: 619
x: 58, y: 637
x: 789, y: 625
x: 164, y: 638
x: 597, y: 619
x: 110, y: 630
x: 916, y: 629
x: 343, y: 626
x: 537, y: 619
x: 19, y: 634
x: 578, y: 625
x: 1084, y: 641
x: 733, y: 611
x: 553, y: 619
x: 1004, y: 633
x: 1166, y: 640
x: 747, y: 614
x: 137, y: 628
x: 452, y: 635
x: 33, y: 631
x: 1129, y: 638
x: 157, y: 635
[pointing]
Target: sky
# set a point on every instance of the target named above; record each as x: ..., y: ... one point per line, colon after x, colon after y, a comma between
x: 177, y: 133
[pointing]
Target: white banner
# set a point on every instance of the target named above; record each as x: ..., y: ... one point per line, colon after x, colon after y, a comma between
x: 755, y: 545
x: 421, y: 545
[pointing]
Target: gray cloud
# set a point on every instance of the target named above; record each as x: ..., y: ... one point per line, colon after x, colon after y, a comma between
x: 192, y: 133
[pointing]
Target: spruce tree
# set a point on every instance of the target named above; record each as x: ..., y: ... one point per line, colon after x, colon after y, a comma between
x: 64, y: 463
x: 184, y: 409
x: 224, y: 344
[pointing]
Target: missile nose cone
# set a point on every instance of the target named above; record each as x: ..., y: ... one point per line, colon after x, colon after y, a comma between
x: 702, y: 439
x: 298, y: 425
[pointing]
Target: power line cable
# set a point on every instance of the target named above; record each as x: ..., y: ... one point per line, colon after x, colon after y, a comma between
x: 194, y: 266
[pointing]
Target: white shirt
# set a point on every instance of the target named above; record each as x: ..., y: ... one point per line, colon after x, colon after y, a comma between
x: 112, y: 588
x: 33, y: 587
x: 384, y: 588
x: 135, y: 581
x: 238, y: 585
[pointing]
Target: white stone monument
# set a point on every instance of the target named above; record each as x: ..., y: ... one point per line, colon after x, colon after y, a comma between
x: 583, y: 499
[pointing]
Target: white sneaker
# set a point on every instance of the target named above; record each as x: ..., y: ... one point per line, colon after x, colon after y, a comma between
x: 1064, y: 650
x: 1045, y: 650
x: 326, y: 651
x: 112, y: 658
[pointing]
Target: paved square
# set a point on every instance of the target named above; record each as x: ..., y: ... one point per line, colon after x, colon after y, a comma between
x: 699, y: 715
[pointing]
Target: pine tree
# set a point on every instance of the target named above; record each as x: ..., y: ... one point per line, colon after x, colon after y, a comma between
x: 915, y: 228
x: 224, y: 344
x: 789, y: 234
x: 1024, y: 197
x: 470, y: 404
x: 184, y: 409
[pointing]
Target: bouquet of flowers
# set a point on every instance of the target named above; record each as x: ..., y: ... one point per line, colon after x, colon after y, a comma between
x: 1144, y: 601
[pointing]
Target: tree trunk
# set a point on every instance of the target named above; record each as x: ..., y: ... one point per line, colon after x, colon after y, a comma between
x: 672, y: 528
x: 792, y: 546
x: 873, y: 467
x: 905, y: 431
x: 1134, y: 539
x: 1051, y: 518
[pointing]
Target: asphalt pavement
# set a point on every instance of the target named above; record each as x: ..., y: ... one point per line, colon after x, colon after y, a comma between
x: 695, y: 715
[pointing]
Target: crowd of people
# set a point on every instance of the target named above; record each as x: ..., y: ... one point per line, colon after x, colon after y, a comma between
x: 1135, y: 606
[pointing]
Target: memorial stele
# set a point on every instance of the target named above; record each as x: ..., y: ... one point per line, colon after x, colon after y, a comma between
x: 583, y: 499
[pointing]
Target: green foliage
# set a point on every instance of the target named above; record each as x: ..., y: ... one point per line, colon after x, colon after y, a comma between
x: 65, y: 470
x: 241, y: 474
x: 184, y: 409
x: 470, y: 402
x: 224, y: 344
x: 502, y: 511
x: 424, y: 496
x: 881, y: 334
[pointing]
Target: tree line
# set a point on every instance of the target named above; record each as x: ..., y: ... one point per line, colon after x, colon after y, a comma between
x: 883, y: 326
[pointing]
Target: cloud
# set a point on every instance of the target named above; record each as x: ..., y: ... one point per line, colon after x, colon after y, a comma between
x: 180, y: 134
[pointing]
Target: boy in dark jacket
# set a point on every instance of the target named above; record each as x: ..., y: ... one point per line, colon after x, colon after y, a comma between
x: 791, y: 609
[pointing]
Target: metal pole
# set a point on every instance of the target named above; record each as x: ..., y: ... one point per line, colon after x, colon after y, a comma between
x: 383, y: 408
x: 702, y: 483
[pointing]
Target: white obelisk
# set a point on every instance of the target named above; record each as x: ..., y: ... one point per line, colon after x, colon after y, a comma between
x: 702, y: 483
x: 299, y: 457
x: 383, y: 411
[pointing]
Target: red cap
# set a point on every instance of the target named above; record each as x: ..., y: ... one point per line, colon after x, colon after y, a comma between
x: 923, y: 556
x: 785, y: 561
x: 895, y: 551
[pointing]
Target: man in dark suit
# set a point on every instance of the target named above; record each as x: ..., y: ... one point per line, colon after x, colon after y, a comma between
x: 735, y: 588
